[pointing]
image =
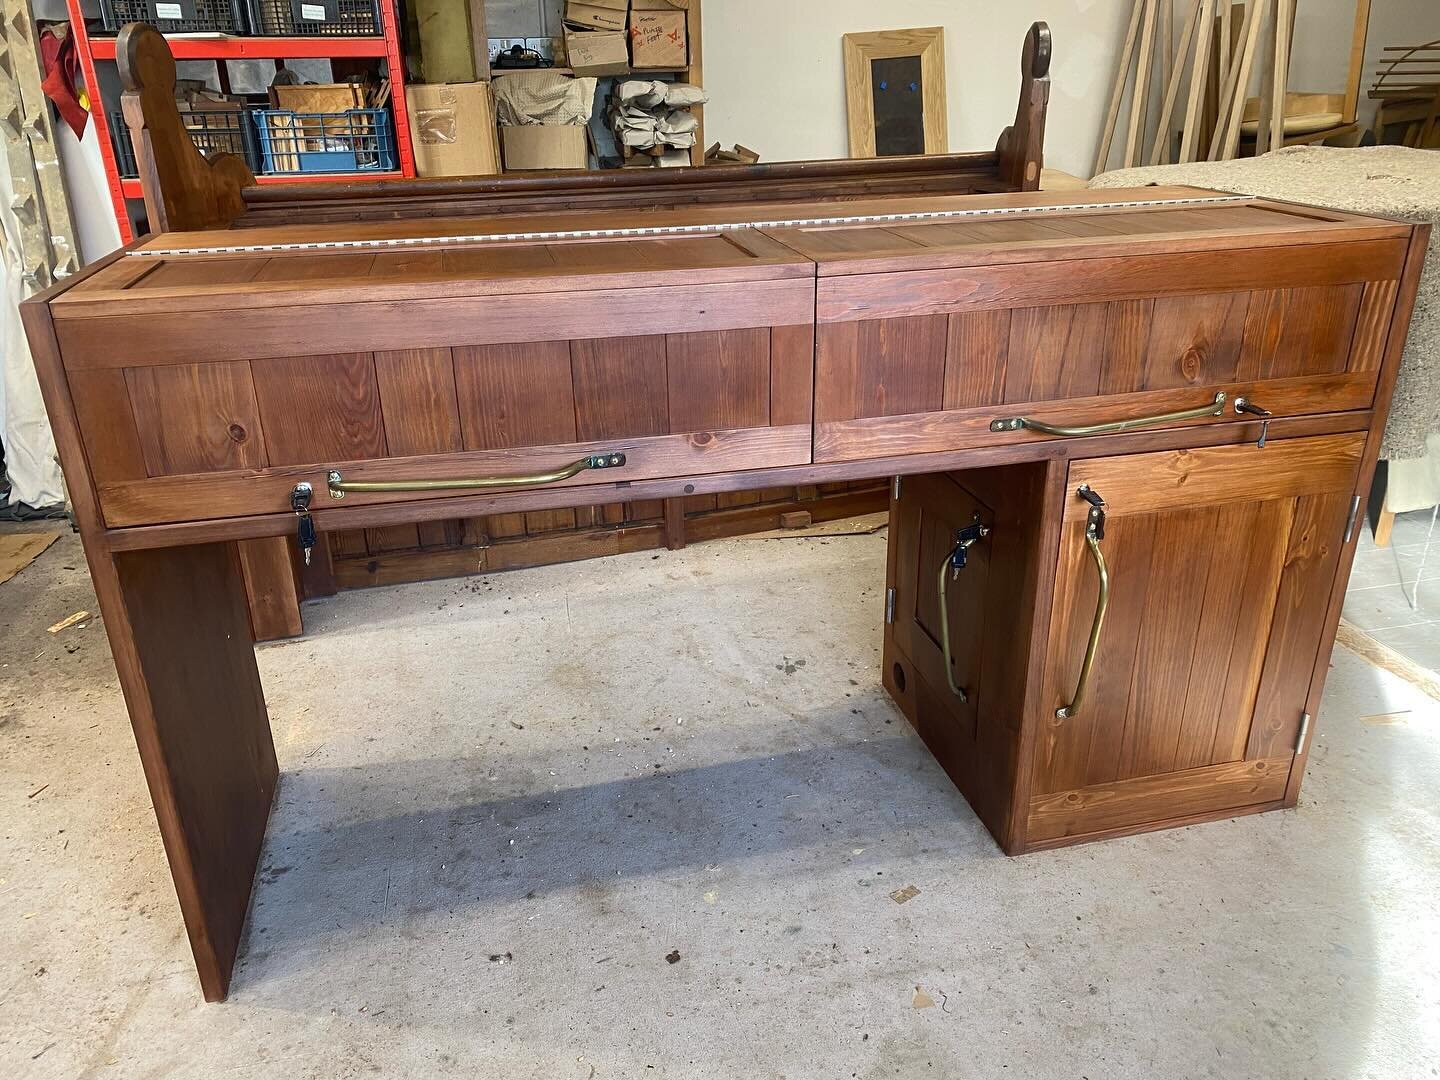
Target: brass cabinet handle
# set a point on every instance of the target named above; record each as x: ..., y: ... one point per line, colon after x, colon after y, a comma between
x: 950, y: 568
x: 1094, y: 533
x: 1015, y: 423
x: 339, y: 485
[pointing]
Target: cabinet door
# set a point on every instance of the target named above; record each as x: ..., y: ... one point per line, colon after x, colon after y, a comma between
x: 1220, y: 564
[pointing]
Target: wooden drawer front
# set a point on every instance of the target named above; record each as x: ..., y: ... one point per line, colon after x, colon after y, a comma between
x: 188, y: 441
x: 1220, y: 565
x: 936, y: 380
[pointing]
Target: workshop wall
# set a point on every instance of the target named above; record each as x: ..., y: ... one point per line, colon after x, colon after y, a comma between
x: 776, y: 77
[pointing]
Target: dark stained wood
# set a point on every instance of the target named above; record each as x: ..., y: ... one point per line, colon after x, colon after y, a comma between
x: 320, y: 408
x: 272, y: 588
x: 418, y: 402
x: 197, y: 418
x: 515, y: 395
x: 620, y: 387
x: 977, y: 354
x: 718, y: 380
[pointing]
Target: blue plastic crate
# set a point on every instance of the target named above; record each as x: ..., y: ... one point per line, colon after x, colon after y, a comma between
x: 356, y: 140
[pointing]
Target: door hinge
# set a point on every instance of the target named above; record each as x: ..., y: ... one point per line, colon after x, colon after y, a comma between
x: 1354, y: 516
x: 895, y: 489
x: 889, y: 606
x: 1304, y: 733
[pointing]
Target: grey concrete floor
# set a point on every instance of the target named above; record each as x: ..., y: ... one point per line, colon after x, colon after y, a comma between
x: 1383, y: 586
x: 507, y: 801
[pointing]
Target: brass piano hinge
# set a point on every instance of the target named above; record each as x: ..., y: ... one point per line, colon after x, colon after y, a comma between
x: 889, y: 607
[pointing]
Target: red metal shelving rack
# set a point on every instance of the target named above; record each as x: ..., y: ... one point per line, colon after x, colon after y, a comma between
x: 386, y: 47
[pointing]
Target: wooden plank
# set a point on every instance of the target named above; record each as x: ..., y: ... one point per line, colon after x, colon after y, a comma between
x: 272, y: 588
x: 883, y: 368
x: 621, y: 387
x: 103, y: 411
x: 977, y: 351
x: 319, y: 408
x: 200, y: 496
x: 937, y: 432
x: 792, y: 374
x: 515, y: 395
x: 944, y: 292
x: 1148, y: 483
x: 1232, y: 785
x: 1372, y: 325
x: 205, y: 336
x: 418, y: 401
x: 197, y: 418
x: 718, y: 380
x: 1117, y: 92
x: 1048, y: 350
x: 1302, y: 331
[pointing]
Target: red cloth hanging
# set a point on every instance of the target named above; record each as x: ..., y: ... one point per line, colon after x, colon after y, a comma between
x: 63, y: 79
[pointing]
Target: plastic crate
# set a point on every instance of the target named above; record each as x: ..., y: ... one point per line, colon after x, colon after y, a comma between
x: 213, y: 131
x: 315, y: 18
x: 176, y: 16
x: 357, y: 140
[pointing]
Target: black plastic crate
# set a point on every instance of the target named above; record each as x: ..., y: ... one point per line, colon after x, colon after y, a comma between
x: 177, y: 16
x: 315, y: 18
x: 213, y: 131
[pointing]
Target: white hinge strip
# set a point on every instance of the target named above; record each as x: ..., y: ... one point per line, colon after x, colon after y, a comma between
x: 675, y: 230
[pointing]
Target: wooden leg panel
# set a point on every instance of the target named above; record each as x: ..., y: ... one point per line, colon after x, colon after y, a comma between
x: 181, y: 638
x: 1166, y: 797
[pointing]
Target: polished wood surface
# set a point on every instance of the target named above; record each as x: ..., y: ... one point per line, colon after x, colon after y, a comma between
x: 739, y: 360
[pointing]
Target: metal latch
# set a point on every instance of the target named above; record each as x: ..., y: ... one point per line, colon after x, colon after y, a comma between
x: 1095, y: 520
x: 1245, y: 405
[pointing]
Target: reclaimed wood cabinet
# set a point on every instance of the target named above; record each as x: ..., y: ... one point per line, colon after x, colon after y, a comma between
x: 1183, y: 692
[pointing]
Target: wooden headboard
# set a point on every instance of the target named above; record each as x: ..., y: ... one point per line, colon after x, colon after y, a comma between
x: 186, y: 190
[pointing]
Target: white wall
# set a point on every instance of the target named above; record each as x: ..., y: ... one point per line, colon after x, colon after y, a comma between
x: 776, y: 78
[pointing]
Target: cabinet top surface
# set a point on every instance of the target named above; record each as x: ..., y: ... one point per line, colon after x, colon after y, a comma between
x: 585, y: 250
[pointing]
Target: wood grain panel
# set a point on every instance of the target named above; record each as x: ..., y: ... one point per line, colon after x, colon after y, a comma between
x: 1316, y: 540
x: 1291, y: 332
x: 1054, y: 352
x: 1176, y: 479
x: 319, y: 409
x: 977, y: 350
x: 883, y: 367
x: 915, y: 293
x: 792, y: 374
x: 418, y: 401
x: 1372, y: 325
x: 364, y: 325
x: 1193, y: 341
x: 718, y: 380
x: 621, y: 387
x: 104, y: 416
x: 197, y: 418
x: 1157, y: 798
x: 515, y: 395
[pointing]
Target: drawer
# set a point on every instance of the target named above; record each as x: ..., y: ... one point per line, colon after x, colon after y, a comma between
x: 1050, y: 336
x: 185, y: 442
x: 487, y: 369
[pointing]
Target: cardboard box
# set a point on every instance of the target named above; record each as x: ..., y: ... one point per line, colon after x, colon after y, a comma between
x: 597, y: 52
x: 597, y: 14
x: 545, y: 146
x: 658, y: 35
x: 452, y: 129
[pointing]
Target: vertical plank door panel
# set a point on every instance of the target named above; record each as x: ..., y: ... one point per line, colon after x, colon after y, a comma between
x: 515, y: 395
x: 621, y: 390
x: 197, y: 417
x: 319, y: 408
x: 418, y: 401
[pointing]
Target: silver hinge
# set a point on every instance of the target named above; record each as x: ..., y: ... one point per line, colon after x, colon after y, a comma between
x: 889, y: 607
x: 895, y: 489
x: 1354, y: 516
x: 1304, y: 733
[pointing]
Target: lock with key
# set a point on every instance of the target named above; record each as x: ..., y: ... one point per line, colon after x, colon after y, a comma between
x: 300, y: 503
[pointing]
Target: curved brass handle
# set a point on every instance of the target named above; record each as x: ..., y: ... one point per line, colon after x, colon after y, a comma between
x: 1094, y: 533
x: 950, y: 567
x: 1015, y: 423
x: 338, y: 485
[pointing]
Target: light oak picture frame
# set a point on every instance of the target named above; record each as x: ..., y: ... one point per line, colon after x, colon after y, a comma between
x: 861, y: 51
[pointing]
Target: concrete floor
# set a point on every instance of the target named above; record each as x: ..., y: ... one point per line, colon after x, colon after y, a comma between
x: 1382, y: 585
x: 507, y: 802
